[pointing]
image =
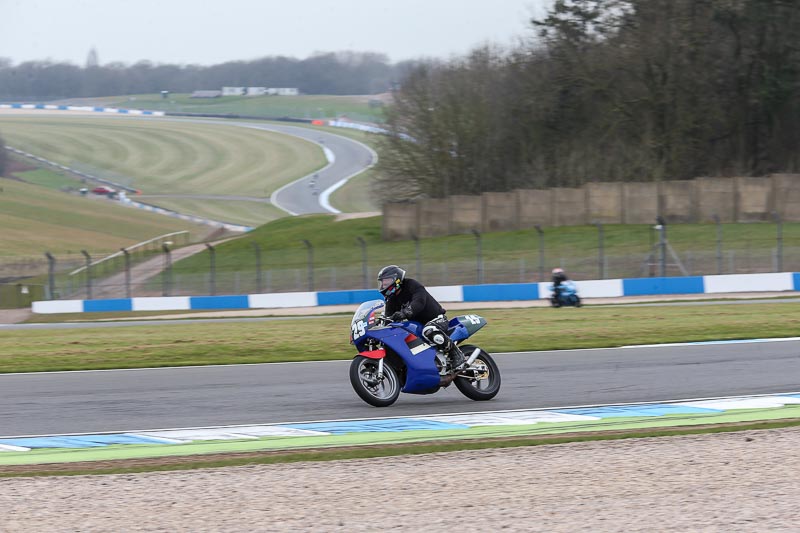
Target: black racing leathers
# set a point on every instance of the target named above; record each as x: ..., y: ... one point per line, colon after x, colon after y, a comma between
x: 416, y: 301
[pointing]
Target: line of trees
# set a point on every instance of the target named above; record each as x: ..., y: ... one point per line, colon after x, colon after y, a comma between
x: 324, y: 73
x: 611, y: 90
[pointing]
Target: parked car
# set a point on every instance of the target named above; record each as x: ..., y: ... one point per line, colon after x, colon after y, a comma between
x: 102, y: 189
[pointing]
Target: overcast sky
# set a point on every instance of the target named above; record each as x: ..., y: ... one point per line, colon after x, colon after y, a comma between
x: 209, y: 32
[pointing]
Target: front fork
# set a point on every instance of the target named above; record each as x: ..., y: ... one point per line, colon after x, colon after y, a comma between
x: 380, y: 370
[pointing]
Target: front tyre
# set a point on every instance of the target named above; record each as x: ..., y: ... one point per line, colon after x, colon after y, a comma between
x: 364, y: 379
x: 481, y: 380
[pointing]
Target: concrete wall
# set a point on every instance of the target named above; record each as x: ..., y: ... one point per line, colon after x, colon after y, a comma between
x: 755, y: 199
x: 434, y: 217
x: 675, y: 201
x: 605, y: 202
x: 732, y: 199
x: 569, y: 206
x: 402, y: 218
x: 786, y: 191
x: 639, y: 203
x: 466, y: 213
x: 715, y: 196
x: 535, y: 207
x: 500, y: 211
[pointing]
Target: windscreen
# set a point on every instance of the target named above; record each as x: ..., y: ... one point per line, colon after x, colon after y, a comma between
x: 366, y: 309
x: 363, y: 319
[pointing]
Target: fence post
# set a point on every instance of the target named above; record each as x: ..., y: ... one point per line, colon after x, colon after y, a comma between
x: 127, y: 256
x: 661, y: 226
x: 51, y: 275
x: 479, y: 256
x: 601, y: 256
x: 259, y: 281
x: 364, y: 267
x: 166, y: 277
x: 88, y: 274
x: 212, y: 266
x: 310, y: 249
x: 719, y: 242
x: 779, y: 236
x: 541, y: 251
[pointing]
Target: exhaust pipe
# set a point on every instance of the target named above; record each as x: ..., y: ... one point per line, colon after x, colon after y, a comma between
x: 473, y: 356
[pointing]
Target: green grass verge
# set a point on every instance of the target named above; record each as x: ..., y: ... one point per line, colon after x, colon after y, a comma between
x: 36, y: 219
x: 626, y: 248
x: 234, y: 212
x: 50, y: 179
x: 326, y: 338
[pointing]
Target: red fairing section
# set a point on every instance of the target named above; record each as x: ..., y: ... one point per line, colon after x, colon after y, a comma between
x: 374, y: 354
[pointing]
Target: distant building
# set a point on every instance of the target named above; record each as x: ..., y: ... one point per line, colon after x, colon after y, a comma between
x: 206, y: 94
x: 284, y: 91
x: 260, y: 91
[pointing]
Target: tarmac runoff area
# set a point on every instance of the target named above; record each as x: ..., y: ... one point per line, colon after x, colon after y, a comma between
x: 33, y: 450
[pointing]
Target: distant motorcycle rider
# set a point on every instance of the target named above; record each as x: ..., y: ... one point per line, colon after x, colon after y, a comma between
x: 559, y: 277
x: 408, y: 299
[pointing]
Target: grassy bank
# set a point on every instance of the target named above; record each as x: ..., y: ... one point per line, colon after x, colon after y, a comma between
x: 169, y: 157
x: 511, y: 256
x: 35, y: 219
x: 303, y: 106
x: 327, y: 338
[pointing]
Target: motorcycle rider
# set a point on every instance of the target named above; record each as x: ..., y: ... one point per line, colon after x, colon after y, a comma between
x: 408, y: 299
x: 559, y: 277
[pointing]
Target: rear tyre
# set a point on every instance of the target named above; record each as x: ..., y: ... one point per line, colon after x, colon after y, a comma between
x: 364, y: 379
x: 481, y: 380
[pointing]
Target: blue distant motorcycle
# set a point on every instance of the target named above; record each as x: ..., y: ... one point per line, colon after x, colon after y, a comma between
x: 565, y: 295
x: 394, y: 357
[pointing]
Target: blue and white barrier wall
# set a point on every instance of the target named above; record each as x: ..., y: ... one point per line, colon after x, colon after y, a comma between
x: 606, y: 288
x: 93, y: 109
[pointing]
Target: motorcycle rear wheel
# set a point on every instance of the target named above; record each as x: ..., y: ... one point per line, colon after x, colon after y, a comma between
x: 363, y: 378
x: 481, y: 381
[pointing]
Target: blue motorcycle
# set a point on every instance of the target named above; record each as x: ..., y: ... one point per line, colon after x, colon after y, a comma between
x: 394, y: 357
x: 566, y: 294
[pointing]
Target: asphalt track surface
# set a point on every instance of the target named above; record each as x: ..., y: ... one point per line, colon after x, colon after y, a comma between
x: 127, y: 400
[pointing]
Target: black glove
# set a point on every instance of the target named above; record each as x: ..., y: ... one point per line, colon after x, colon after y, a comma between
x: 397, y: 316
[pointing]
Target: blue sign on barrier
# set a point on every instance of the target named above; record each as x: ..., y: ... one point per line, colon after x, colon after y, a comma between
x: 105, y: 306
x: 643, y: 286
x: 347, y: 297
x: 219, y: 302
x: 501, y: 292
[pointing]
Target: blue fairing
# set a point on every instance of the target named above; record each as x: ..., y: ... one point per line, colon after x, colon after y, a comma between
x: 422, y: 376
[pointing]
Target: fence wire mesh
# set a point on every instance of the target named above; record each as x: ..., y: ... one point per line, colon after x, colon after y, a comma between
x: 158, y: 270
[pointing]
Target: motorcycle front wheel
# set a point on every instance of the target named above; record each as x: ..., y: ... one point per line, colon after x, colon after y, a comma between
x: 364, y: 379
x: 481, y: 380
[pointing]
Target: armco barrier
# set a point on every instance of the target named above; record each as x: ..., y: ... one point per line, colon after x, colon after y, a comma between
x: 53, y: 107
x: 608, y: 288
